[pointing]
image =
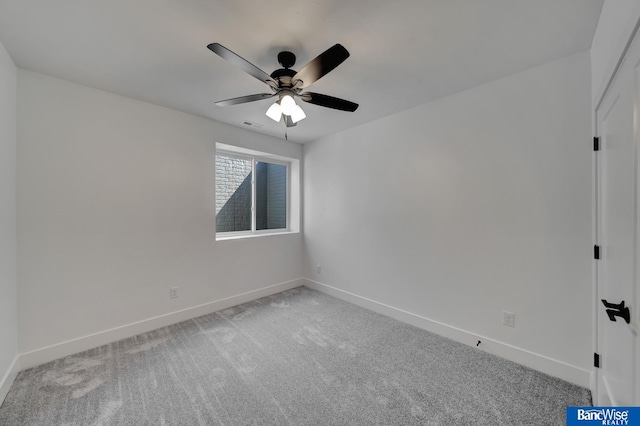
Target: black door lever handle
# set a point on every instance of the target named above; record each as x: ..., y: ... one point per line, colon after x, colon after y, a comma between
x: 617, y: 310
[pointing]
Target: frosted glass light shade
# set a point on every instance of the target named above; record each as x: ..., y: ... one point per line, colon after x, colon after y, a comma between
x: 297, y: 114
x: 274, y: 112
x: 288, y: 105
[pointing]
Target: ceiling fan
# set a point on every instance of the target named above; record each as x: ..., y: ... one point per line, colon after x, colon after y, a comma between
x: 287, y: 84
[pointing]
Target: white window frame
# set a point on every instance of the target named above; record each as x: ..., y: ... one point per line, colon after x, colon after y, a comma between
x: 255, y: 157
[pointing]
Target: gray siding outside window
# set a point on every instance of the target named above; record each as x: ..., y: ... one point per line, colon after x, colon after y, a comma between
x: 233, y: 194
x: 271, y: 196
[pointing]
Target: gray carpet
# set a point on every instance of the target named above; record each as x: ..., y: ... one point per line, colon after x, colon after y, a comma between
x: 295, y: 358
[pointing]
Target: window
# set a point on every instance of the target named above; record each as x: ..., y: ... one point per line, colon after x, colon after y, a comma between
x: 252, y: 193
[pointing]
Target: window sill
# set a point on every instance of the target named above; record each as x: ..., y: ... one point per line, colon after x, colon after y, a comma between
x: 264, y: 234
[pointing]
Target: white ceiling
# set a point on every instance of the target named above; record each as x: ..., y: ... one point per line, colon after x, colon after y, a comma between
x: 403, y: 53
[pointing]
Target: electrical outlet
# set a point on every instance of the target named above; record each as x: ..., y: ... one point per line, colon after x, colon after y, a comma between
x: 318, y: 269
x: 173, y: 292
x: 508, y: 319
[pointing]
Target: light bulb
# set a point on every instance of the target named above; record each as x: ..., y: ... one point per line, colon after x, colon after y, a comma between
x: 297, y: 114
x: 288, y: 105
x: 274, y: 112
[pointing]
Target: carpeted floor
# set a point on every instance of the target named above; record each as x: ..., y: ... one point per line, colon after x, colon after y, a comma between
x: 295, y: 358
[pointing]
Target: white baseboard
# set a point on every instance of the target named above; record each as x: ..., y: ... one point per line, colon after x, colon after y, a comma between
x: 8, y: 378
x: 50, y: 353
x: 552, y: 367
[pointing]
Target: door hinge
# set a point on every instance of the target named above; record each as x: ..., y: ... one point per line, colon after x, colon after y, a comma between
x: 596, y: 143
x: 596, y: 252
x: 596, y: 360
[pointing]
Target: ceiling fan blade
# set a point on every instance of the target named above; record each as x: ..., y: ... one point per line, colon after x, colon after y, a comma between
x: 245, y: 99
x: 320, y: 66
x: 242, y: 63
x: 289, y: 121
x: 329, y: 101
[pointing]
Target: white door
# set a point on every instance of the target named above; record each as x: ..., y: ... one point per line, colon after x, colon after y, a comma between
x: 618, y: 236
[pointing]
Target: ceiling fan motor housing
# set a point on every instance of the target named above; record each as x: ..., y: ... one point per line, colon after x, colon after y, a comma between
x: 283, y: 77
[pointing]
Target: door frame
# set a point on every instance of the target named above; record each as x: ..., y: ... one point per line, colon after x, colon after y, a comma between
x: 596, y: 204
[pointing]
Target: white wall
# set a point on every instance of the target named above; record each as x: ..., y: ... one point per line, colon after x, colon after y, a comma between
x: 617, y: 21
x: 116, y: 205
x: 8, y: 291
x: 464, y: 207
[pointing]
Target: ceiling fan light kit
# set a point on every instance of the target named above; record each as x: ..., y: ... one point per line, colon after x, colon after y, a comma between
x: 288, y: 84
x: 298, y: 114
x: 275, y: 112
x: 286, y: 106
